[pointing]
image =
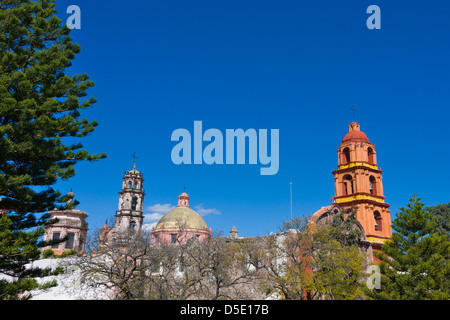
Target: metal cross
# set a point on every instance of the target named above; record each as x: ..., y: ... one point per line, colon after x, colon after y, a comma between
x: 354, y: 110
x: 134, y: 159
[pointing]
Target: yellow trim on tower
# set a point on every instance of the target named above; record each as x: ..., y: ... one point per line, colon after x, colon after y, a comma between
x: 357, y: 164
x: 358, y: 197
x: 377, y: 240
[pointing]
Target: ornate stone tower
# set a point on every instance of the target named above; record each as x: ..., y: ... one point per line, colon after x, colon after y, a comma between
x: 358, y: 185
x: 129, y: 216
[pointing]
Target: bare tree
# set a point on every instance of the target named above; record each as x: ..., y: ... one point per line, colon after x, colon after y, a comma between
x: 128, y: 266
x: 116, y: 262
x: 222, y: 269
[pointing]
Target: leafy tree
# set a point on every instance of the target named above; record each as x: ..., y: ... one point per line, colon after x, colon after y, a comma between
x: 346, y: 230
x: 414, y: 263
x: 39, y: 107
x: 315, y: 261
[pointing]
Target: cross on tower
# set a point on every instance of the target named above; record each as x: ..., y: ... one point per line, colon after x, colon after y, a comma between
x: 134, y: 159
x: 354, y: 111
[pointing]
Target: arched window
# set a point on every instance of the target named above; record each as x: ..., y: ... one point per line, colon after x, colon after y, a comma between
x: 371, y: 156
x: 346, y: 156
x: 129, y: 184
x: 134, y: 203
x: 373, y: 185
x: 377, y: 221
x: 56, y: 237
x: 132, y: 225
x: 348, y: 185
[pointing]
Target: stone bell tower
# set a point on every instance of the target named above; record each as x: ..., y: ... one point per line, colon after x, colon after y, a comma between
x: 129, y: 216
x: 358, y: 185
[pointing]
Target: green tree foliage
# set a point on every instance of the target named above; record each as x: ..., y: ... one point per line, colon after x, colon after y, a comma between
x: 414, y: 263
x: 316, y: 262
x: 441, y: 215
x: 18, y: 248
x: 346, y: 229
x: 39, y: 107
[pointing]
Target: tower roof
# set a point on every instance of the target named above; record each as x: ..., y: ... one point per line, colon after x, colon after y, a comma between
x: 134, y: 169
x: 354, y: 133
x: 183, y: 200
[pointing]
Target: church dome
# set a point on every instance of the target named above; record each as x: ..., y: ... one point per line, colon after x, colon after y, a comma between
x: 181, y: 217
x: 355, y: 134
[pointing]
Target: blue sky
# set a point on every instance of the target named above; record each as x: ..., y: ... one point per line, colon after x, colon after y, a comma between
x: 296, y: 66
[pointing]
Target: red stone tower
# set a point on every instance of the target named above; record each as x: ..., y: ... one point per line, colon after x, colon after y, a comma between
x: 358, y: 185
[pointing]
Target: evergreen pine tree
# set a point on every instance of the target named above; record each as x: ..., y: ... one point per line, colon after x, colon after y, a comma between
x: 39, y: 106
x: 441, y: 215
x: 414, y: 263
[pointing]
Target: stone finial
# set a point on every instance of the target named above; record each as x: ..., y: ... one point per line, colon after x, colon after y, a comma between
x: 233, y: 233
x: 69, y: 202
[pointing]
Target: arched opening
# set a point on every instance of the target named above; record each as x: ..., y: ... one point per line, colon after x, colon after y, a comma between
x: 378, y: 221
x: 348, y: 185
x: 371, y: 156
x: 346, y: 156
x: 132, y: 225
x: 129, y: 184
x: 134, y: 203
x: 373, y: 185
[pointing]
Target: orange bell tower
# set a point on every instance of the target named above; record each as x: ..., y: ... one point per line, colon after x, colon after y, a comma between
x: 358, y: 185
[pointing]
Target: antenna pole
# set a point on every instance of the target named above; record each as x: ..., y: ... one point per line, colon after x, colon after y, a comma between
x: 290, y: 183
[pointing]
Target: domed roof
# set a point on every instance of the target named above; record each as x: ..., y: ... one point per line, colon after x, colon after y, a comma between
x: 355, y: 134
x: 134, y: 171
x: 181, y: 217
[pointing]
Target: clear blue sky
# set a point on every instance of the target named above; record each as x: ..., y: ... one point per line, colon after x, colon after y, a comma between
x: 296, y: 66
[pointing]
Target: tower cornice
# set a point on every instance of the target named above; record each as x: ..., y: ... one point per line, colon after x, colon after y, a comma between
x: 353, y: 169
x: 358, y: 165
x: 359, y: 196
